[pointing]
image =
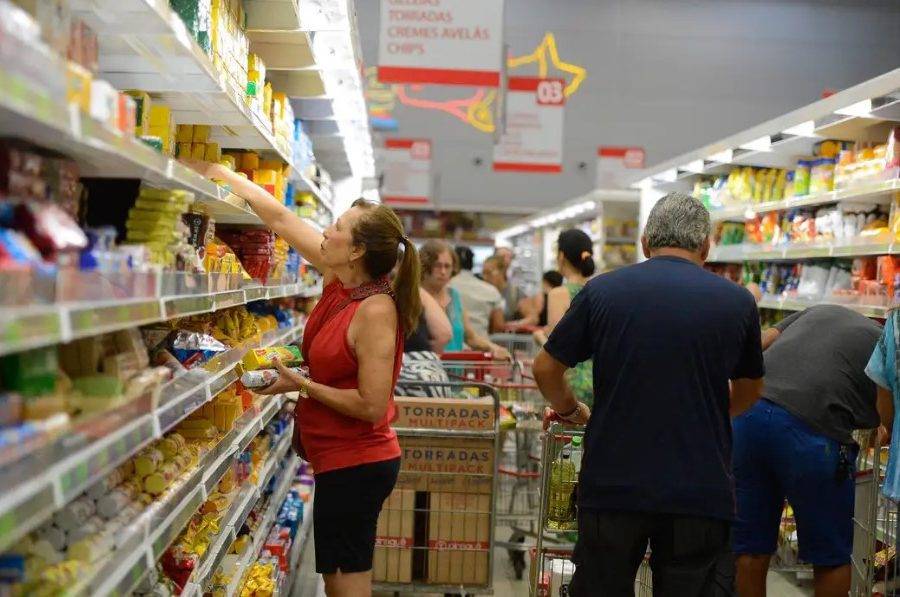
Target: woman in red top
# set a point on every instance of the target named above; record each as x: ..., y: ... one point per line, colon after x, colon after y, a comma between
x: 353, y: 345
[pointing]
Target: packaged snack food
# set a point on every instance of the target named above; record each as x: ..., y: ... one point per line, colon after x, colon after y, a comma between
x: 263, y: 358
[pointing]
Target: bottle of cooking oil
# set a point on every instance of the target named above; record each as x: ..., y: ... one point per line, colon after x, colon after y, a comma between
x: 560, y: 505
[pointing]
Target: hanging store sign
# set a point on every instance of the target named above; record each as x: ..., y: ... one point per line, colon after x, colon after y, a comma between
x: 533, y: 141
x: 616, y: 165
x: 407, y: 172
x: 449, y: 42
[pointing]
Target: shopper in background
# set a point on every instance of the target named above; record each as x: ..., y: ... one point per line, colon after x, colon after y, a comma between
x: 437, y: 262
x: 505, y: 254
x: 481, y: 301
x: 550, y: 280
x: 495, y: 274
x: 575, y: 261
x: 422, y: 350
x: 353, y: 345
x: 657, y: 456
x: 797, y: 443
x: 534, y: 309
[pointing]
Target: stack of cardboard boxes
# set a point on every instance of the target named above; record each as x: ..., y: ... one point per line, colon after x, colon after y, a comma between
x: 435, y: 527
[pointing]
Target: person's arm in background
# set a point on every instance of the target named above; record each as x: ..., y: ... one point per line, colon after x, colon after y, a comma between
x: 439, y: 328
x: 747, y: 376
x: 478, y: 342
x: 274, y: 214
x: 744, y: 394
x: 770, y: 335
x: 882, y: 370
x: 885, y: 407
x: 497, y: 321
x: 570, y: 343
x: 558, y: 302
x: 549, y: 374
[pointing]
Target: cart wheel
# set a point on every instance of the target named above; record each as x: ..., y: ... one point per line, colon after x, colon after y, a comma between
x: 516, y: 556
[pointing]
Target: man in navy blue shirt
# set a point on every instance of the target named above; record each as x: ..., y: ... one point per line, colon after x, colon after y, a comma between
x: 676, y: 353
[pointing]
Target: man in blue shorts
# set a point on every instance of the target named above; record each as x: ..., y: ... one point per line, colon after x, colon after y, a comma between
x: 797, y: 443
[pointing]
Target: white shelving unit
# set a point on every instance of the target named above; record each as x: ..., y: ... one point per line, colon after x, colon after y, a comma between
x: 32, y: 326
x: 144, y: 45
x: 53, y: 474
x: 864, y: 113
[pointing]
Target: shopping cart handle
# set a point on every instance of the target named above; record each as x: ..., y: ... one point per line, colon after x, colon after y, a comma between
x: 467, y: 355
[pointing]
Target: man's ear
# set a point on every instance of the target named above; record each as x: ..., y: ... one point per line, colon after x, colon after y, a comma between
x: 644, y: 246
x: 704, y: 249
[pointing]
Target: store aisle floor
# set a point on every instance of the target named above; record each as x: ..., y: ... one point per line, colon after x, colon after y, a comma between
x: 505, y: 584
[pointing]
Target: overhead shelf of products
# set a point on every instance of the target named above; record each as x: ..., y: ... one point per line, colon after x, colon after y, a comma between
x: 145, y: 45
x: 807, y: 204
x: 866, y: 112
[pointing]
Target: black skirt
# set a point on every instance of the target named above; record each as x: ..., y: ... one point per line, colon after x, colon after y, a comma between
x: 345, y: 514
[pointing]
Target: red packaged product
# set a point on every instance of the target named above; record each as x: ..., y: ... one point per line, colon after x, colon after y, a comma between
x: 50, y: 228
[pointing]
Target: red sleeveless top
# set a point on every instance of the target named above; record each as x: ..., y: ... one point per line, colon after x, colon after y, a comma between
x: 330, y: 439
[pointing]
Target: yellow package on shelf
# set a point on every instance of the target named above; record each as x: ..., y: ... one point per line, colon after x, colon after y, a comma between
x: 201, y: 133
x: 213, y: 152
x: 78, y: 86
x: 142, y: 106
x: 185, y: 133
x: 160, y: 116
x: 198, y: 151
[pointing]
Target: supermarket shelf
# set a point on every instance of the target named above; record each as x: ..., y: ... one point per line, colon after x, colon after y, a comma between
x: 875, y: 192
x: 145, y: 45
x: 299, y: 543
x: 789, y: 304
x: 28, y: 112
x: 306, y: 184
x: 749, y: 252
x: 143, y: 542
x: 268, y: 519
x: 235, y: 517
x: 788, y: 136
x: 23, y: 328
x: 39, y: 483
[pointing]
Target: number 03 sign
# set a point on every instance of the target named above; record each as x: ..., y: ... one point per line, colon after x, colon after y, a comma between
x: 533, y: 141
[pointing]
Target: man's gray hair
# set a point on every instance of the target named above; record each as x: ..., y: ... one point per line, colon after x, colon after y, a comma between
x: 677, y: 221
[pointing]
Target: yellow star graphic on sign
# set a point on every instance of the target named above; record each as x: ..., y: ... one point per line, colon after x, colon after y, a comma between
x: 547, y: 48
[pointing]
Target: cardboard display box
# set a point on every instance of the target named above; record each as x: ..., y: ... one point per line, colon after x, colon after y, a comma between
x: 447, y: 464
x: 459, y: 532
x: 469, y: 414
x: 394, y: 538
